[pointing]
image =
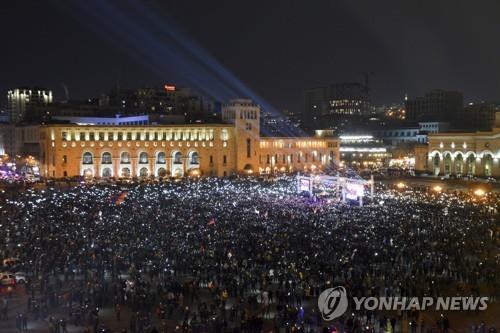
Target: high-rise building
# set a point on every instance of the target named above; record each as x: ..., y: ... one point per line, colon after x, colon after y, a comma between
x: 316, y: 105
x: 331, y: 105
x: 22, y: 100
x: 350, y: 98
x: 437, y: 105
x: 480, y: 116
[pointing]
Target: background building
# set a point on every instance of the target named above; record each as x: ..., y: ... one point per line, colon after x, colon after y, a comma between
x: 232, y: 147
x: 19, y: 140
x: 480, y: 116
x: 349, y: 98
x: 437, y: 105
x: 22, y: 100
x: 316, y: 106
x: 330, y: 106
x: 462, y: 153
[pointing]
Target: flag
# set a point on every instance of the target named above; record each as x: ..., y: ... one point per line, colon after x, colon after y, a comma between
x: 121, y: 198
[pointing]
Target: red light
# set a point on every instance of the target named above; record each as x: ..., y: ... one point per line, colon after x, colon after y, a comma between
x: 169, y: 87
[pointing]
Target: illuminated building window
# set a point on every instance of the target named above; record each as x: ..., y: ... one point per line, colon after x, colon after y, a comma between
x: 161, y: 158
x: 125, y: 158
x: 177, y: 158
x: 143, y: 158
x: 194, y: 158
x: 87, y: 158
x: 106, y: 158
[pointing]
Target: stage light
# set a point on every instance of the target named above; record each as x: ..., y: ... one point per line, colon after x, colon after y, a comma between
x: 437, y: 188
x: 401, y: 185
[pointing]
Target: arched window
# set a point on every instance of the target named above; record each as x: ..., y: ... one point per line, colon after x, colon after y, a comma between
x: 125, y: 173
x: 436, y: 161
x: 162, y: 172
x: 487, y: 164
x: 161, y: 158
x: 143, y: 158
x: 143, y: 172
x: 178, y: 158
x: 194, y: 158
x: 88, y: 173
x: 471, y: 165
x: 87, y: 158
x: 125, y: 158
x: 106, y: 158
x: 459, y: 165
x: 106, y: 172
x: 447, y: 164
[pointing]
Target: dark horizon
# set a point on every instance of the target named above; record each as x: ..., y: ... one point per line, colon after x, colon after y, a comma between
x: 270, y: 52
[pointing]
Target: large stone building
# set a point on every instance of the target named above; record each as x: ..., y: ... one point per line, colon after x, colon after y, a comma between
x: 232, y: 147
x: 462, y: 154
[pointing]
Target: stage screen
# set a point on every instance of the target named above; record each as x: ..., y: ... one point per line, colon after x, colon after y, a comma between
x: 354, y: 191
x: 304, y: 185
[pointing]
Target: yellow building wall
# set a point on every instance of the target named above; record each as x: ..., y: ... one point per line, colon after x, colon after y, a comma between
x: 297, y: 154
x: 222, y: 150
x: 64, y: 157
x: 474, y: 154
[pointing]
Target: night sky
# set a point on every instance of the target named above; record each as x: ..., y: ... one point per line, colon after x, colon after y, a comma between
x: 268, y: 50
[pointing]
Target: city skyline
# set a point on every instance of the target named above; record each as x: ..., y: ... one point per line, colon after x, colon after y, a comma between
x: 270, y: 53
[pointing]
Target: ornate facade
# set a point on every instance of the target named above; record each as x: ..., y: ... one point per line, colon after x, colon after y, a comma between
x: 462, y: 154
x: 234, y: 147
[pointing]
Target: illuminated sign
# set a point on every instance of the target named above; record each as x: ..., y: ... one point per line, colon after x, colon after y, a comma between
x: 169, y: 87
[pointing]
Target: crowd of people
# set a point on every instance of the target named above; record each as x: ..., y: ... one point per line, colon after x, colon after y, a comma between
x: 219, y: 255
